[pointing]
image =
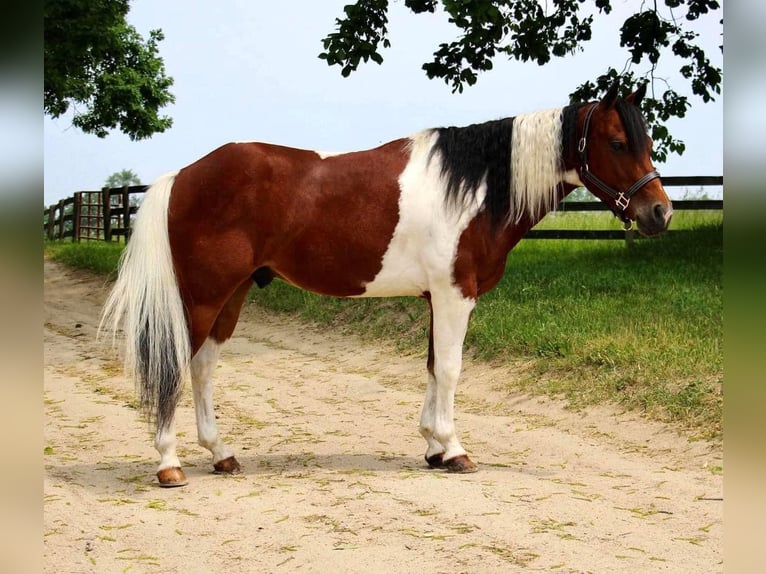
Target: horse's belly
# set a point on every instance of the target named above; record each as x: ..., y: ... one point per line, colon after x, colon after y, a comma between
x: 397, y: 277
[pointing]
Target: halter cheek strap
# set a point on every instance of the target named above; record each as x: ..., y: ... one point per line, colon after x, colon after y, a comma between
x: 621, y: 198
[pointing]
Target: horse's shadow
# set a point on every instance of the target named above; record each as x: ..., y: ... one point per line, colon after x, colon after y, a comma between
x: 360, y: 462
x: 112, y: 475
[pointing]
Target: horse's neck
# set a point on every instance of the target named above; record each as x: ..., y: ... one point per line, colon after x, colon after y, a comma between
x: 565, y: 187
x: 515, y: 231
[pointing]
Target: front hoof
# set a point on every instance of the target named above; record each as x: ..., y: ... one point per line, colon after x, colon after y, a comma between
x: 227, y: 466
x: 460, y: 464
x: 172, y: 477
x: 435, y: 460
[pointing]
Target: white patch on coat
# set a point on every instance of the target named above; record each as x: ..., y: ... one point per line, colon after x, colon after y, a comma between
x: 573, y: 178
x: 326, y: 154
x: 422, y: 250
x: 202, y: 369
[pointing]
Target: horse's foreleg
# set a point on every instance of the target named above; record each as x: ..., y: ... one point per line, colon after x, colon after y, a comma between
x: 449, y: 320
x: 435, y: 451
x: 202, y: 368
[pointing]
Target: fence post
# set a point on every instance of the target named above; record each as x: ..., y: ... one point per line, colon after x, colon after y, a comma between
x: 60, y: 209
x: 106, y: 211
x: 51, y: 221
x: 126, y: 213
x: 77, y: 216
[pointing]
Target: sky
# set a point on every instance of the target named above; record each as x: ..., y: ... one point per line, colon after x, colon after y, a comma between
x: 248, y: 71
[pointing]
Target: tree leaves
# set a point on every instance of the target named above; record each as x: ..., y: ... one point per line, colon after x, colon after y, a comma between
x: 101, y: 67
x: 359, y: 34
x: 528, y: 30
x: 122, y: 178
x: 657, y: 111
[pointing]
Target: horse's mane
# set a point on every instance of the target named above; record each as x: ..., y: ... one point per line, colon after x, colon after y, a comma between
x: 634, y: 124
x: 473, y: 155
x: 520, y: 160
x: 517, y: 160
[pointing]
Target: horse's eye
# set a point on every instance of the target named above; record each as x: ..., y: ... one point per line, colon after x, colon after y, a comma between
x: 617, y: 145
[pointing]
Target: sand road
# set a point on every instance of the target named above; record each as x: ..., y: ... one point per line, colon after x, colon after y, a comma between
x: 325, y: 427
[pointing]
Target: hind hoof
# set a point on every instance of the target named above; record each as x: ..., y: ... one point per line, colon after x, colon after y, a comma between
x: 461, y: 465
x: 227, y: 466
x: 172, y: 477
x: 435, y: 460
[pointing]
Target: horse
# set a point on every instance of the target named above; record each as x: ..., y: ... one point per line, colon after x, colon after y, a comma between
x: 433, y: 215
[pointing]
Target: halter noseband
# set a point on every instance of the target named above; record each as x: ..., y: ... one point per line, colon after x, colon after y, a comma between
x: 621, y: 198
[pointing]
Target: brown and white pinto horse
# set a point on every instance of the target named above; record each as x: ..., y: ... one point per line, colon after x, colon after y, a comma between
x: 433, y: 215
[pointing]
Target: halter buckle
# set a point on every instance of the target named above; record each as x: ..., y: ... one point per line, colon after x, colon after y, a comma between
x: 581, y: 145
x: 622, y: 202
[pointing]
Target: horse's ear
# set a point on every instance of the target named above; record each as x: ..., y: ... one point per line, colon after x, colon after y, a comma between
x: 611, y: 95
x: 636, y: 97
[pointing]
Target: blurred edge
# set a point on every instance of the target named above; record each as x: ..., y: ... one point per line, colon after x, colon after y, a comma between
x: 744, y: 286
x: 21, y: 121
x: 745, y: 274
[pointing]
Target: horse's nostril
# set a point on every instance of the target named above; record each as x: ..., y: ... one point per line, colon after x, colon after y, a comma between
x: 662, y: 214
x: 659, y: 212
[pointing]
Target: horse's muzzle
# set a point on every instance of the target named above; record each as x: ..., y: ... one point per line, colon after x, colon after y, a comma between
x: 654, y: 219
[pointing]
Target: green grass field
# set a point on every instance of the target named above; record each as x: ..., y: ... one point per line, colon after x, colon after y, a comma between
x: 639, y: 325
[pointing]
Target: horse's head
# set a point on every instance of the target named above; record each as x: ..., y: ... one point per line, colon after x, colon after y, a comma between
x: 615, y: 163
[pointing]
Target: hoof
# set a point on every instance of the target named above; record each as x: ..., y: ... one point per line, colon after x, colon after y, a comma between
x: 460, y: 464
x: 227, y: 466
x: 172, y: 477
x: 436, y: 460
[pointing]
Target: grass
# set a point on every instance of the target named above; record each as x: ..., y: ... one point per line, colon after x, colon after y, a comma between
x: 595, y: 322
x: 97, y: 256
x: 640, y: 325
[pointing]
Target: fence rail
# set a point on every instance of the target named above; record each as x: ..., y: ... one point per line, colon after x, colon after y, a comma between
x: 93, y: 215
x: 107, y: 214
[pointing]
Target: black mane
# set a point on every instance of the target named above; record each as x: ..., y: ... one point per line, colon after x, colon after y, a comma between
x: 472, y: 153
x: 634, y: 124
x: 570, y: 135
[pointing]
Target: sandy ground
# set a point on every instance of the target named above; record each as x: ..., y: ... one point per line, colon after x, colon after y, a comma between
x: 334, y: 481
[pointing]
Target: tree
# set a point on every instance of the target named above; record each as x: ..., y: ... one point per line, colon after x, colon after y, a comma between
x: 99, y: 65
x: 529, y: 30
x: 122, y: 178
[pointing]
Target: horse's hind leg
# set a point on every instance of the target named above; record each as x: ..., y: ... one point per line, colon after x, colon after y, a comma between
x: 202, y: 368
x: 169, y: 472
x: 203, y: 365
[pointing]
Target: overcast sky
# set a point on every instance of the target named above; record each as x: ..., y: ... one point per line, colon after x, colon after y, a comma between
x: 248, y: 71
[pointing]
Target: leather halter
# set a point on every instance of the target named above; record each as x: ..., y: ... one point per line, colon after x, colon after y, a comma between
x: 621, y: 198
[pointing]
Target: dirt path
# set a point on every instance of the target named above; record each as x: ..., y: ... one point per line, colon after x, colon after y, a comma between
x: 326, y: 430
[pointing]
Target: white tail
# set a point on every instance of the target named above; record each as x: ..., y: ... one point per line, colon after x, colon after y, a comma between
x: 146, y: 302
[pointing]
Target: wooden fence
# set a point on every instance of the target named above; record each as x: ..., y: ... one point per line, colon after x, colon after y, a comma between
x: 105, y: 215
